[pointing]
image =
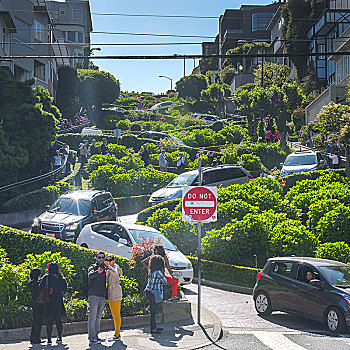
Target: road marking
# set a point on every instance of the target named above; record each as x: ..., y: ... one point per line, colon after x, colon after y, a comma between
x: 277, y: 341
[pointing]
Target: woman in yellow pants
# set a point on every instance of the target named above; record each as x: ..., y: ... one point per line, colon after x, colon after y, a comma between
x: 114, y: 293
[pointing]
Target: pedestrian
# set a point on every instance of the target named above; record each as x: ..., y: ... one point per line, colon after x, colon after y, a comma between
x: 327, y: 147
x: 93, y: 148
x: 115, y: 293
x: 217, y: 161
x: 97, y: 291
x: 163, y: 161
x: 277, y: 136
x: 334, y: 157
x: 180, y: 163
x: 84, y: 153
x: 268, y: 135
x: 159, y: 250
x: 78, y: 152
x: 310, y: 144
x: 38, y: 309
x: 104, y: 147
x: 154, y: 289
x: 54, y: 309
x: 145, y: 155
x: 57, y: 162
x: 64, y: 150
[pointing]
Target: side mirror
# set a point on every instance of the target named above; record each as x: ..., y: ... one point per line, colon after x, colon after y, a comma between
x: 322, y: 162
x: 123, y: 241
x: 281, y: 164
x: 316, y: 283
x: 94, y: 211
x: 48, y: 207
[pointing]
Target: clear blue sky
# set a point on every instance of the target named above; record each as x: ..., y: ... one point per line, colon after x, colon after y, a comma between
x: 143, y: 75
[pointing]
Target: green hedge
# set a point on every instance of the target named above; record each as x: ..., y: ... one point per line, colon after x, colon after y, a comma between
x: 146, y: 213
x: 291, y: 180
x: 19, y: 243
x: 225, y: 273
x: 36, y: 199
x: 131, y: 204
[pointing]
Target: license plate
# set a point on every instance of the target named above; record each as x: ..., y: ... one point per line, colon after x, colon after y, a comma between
x: 50, y: 235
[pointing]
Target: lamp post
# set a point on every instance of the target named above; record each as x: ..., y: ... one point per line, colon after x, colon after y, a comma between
x: 87, y: 52
x: 171, y: 80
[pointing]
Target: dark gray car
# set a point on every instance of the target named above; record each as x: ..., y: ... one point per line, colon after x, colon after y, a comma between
x: 314, y: 288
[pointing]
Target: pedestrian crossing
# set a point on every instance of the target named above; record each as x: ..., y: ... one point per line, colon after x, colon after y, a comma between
x: 292, y: 340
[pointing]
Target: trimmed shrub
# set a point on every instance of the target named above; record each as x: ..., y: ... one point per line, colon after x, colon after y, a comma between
x: 135, y: 127
x: 217, y: 126
x: 146, y: 213
x: 161, y: 216
x: 250, y: 162
x: 36, y: 199
x: 319, y: 209
x: 292, y: 238
x: 123, y: 124
x: 339, y: 251
x: 225, y: 273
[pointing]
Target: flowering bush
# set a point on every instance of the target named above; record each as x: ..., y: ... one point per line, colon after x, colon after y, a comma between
x: 143, y: 250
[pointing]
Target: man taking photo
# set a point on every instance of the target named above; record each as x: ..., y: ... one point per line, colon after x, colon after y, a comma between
x: 97, y: 291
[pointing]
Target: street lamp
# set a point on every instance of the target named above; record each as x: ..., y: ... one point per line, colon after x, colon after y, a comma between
x: 171, y: 81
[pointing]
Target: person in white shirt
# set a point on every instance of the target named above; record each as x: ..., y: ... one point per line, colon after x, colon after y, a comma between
x: 335, y: 160
x: 163, y: 161
x: 57, y: 162
x: 180, y: 163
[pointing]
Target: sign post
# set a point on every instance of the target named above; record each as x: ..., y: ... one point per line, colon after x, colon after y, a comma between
x: 199, y: 205
x: 117, y: 133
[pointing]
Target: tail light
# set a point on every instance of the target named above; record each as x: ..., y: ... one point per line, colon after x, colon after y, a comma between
x: 250, y: 177
x: 258, y: 276
x: 116, y: 206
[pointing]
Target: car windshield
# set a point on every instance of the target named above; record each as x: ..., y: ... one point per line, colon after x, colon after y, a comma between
x: 142, y: 235
x: 177, y: 140
x: 182, y: 180
x: 338, y: 276
x: 74, y: 206
x: 308, y: 159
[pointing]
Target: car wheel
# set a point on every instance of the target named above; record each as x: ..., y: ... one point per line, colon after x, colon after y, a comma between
x: 335, y: 320
x: 262, y: 304
x: 84, y: 245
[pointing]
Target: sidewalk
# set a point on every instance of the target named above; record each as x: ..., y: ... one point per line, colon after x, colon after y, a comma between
x: 184, y: 335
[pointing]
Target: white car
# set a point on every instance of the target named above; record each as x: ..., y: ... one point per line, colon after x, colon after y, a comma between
x: 208, y: 118
x: 163, y: 104
x: 120, y: 239
x: 91, y: 131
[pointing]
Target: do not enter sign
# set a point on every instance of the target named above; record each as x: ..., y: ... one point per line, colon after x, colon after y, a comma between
x: 199, y: 204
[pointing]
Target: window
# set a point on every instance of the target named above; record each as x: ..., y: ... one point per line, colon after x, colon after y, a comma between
x: 282, y: 268
x: 71, y: 36
x: 21, y: 74
x: 22, y: 30
x: 304, y: 270
x: 77, y: 14
x: 39, y: 31
x: 103, y: 202
x: 80, y: 37
x: 260, y: 20
x: 39, y: 70
x: 104, y: 230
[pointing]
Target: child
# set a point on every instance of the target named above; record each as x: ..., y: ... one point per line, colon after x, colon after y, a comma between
x: 154, y: 288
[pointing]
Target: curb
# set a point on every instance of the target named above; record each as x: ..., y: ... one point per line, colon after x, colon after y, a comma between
x: 224, y: 286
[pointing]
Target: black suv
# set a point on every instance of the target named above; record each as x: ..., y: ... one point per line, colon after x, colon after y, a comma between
x: 72, y: 211
x: 314, y: 288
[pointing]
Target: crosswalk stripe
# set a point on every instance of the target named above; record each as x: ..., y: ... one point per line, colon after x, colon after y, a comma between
x: 277, y: 341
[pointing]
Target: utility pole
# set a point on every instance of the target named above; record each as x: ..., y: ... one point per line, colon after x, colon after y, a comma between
x: 184, y: 66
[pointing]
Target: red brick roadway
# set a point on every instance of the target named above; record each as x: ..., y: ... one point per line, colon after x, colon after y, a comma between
x: 237, y: 310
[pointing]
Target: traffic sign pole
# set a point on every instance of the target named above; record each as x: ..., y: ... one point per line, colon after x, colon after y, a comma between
x: 199, y: 248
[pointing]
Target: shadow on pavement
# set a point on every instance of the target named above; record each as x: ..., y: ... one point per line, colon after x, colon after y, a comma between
x: 188, y: 291
x: 169, y: 338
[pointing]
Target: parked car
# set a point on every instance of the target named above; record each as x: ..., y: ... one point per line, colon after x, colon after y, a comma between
x: 314, y: 288
x: 91, y: 131
x: 223, y: 175
x: 163, y: 104
x: 303, y: 161
x: 72, y: 211
x: 208, y: 118
x: 154, y: 135
x: 120, y: 239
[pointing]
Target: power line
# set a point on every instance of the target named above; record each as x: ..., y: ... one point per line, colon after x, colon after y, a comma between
x: 178, y: 56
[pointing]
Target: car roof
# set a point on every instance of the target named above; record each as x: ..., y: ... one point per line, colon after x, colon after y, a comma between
x: 130, y: 226
x: 313, y: 261
x: 224, y: 166
x: 302, y: 153
x: 85, y: 194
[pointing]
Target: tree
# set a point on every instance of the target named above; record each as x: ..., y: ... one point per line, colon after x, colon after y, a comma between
x: 67, y: 90
x: 191, y: 86
x: 28, y: 125
x: 217, y: 94
x: 227, y: 74
x: 95, y: 88
x: 284, y: 101
x: 273, y: 74
x: 207, y: 64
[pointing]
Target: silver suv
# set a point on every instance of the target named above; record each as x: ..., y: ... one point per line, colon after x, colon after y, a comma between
x: 222, y: 175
